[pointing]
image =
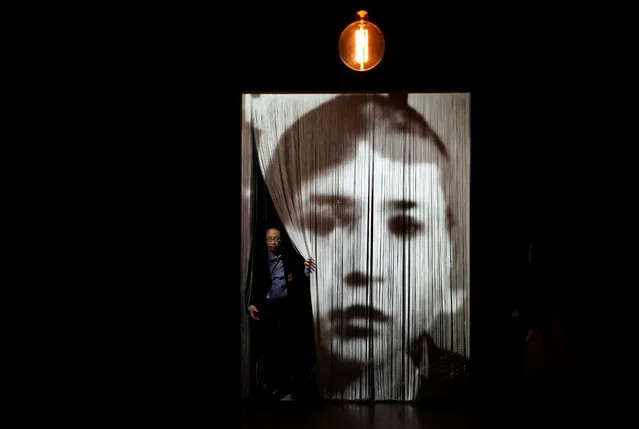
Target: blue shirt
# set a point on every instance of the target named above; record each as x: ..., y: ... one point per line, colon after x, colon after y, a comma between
x: 278, y: 277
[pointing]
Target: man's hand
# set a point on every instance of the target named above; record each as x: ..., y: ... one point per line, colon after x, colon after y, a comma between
x: 310, y: 264
x: 252, y: 310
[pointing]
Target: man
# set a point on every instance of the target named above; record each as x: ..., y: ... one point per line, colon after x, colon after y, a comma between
x: 278, y: 288
x: 374, y: 184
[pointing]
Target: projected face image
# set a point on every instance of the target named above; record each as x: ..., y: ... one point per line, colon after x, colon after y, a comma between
x: 383, y: 250
x: 373, y: 187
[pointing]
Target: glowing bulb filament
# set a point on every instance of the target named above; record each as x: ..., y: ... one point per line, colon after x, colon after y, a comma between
x: 361, y: 47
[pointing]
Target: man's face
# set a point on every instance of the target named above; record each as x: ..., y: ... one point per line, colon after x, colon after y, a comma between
x: 273, y: 240
x: 383, y: 254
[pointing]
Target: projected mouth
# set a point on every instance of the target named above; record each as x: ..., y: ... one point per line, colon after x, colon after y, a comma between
x: 357, y: 321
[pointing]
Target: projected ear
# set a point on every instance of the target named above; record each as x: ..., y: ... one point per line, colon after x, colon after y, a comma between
x: 450, y: 219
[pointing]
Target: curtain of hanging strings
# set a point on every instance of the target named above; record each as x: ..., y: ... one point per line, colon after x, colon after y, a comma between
x: 246, y: 240
x: 377, y: 191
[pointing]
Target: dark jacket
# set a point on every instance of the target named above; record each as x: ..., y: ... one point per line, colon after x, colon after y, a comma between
x: 447, y: 376
x: 296, y: 280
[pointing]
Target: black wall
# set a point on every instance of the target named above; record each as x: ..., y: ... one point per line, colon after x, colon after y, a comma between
x: 531, y: 125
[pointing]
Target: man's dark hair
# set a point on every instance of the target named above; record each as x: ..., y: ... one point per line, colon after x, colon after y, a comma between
x: 273, y: 227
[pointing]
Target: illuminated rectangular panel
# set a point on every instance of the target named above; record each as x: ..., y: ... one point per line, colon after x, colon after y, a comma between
x: 378, y: 194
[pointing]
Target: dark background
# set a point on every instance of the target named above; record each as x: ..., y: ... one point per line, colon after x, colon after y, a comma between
x: 540, y: 81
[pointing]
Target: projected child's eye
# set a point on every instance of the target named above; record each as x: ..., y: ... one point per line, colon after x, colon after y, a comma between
x: 320, y: 224
x: 328, y: 211
x: 405, y: 226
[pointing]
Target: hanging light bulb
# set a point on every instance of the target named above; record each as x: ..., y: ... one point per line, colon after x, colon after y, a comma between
x: 361, y: 45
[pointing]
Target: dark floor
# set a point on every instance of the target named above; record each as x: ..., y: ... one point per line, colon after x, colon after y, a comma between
x: 380, y: 416
x: 373, y: 416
